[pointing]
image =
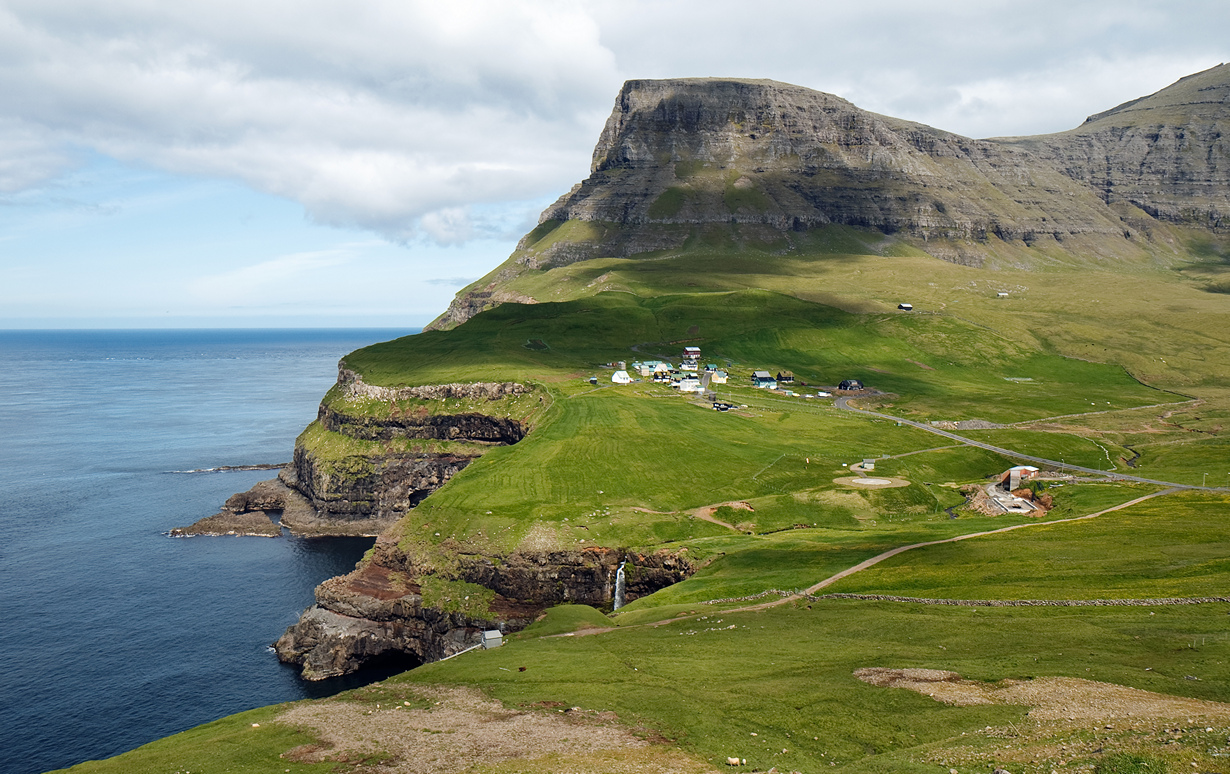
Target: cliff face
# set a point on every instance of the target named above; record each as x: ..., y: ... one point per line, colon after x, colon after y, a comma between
x: 1167, y: 154
x: 707, y: 150
x: 769, y: 160
x: 404, y: 605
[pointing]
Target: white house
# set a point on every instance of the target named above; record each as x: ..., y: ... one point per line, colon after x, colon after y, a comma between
x: 621, y: 377
x: 689, y: 384
x: 689, y: 365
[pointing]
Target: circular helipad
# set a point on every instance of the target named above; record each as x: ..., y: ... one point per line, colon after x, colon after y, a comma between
x: 866, y: 482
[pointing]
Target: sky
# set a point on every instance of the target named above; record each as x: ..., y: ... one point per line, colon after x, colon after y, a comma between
x: 321, y: 163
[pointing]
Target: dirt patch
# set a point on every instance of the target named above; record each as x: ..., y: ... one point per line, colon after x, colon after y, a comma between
x: 705, y: 513
x: 463, y: 730
x: 1049, y: 698
x: 1072, y: 724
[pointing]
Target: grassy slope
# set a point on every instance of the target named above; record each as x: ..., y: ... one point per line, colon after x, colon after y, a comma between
x: 598, y: 454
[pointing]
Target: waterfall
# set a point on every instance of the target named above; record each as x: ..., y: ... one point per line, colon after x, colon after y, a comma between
x: 619, y: 586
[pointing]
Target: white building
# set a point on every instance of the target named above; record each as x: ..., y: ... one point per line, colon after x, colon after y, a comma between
x: 621, y: 377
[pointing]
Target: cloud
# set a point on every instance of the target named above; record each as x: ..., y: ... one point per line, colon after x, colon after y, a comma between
x: 371, y: 115
x: 435, y: 121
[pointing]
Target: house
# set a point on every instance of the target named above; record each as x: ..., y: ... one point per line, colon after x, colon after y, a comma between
x: 850, y: 384
x: 718, y: 377
x: 1012, y: 477
x: 785, y: 376
x: 689, y: 365
x: 689, y: 384
x: 906, y: 307
x: 662, y: 367
x: 691, y: 353
x: 710, y: 367
x: 621, y: 377
x: 764, y: 380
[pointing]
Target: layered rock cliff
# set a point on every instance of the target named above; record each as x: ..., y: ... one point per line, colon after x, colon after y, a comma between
x: 1167, y: 154
x: 679, y: 158
x: 347, y: 478
x: 422, y: 607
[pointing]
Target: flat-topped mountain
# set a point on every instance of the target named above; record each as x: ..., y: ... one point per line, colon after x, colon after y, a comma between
x: 742, y: 160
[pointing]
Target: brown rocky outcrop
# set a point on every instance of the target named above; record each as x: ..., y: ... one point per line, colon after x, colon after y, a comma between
x: 378, y: 611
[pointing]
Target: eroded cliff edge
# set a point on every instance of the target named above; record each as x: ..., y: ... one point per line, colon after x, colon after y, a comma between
x: 372, y: 454
x: 418, y: 603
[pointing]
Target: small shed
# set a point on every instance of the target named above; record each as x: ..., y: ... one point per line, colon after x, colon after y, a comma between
x: 1002, y: 294
x: 850, y: 384
x: 492, y: 638
x: 869, y: 464
x: 905, y: 307
x: 621, y: 377
x: 764, y: 379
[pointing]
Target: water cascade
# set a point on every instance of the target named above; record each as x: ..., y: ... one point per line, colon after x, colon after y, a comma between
x: 619, y: 587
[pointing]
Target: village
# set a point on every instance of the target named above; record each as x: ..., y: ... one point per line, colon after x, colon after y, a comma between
x: 693, y: 378
x: 1009, y: 492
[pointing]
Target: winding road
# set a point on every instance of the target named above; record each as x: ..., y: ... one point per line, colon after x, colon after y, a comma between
x: 844, y: 405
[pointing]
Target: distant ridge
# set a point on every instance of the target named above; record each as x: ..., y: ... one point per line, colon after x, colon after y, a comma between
x: 681, y: 160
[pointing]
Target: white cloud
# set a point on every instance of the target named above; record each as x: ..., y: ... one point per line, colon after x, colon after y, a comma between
x: 372, y: 114
x: 420, y: 119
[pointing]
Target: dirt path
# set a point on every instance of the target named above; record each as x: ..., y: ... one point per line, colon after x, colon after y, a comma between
x: 863, y: 565
x: 705, y: 512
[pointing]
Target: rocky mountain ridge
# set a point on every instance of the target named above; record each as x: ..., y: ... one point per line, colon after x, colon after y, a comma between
x: 680, y: 156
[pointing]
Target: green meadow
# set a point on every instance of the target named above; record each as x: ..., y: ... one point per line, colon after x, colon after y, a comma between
x: 1119, y: 370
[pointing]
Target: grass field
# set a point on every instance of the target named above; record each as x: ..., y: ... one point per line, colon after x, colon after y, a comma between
x: 1116, y: 367
x: 777, y: 687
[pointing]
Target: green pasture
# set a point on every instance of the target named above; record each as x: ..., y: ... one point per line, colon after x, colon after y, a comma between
x: 754, y: 684
x: 628, y: 465
x: 785, y: 674
x: 1171, y: 546
x: 937, y: 366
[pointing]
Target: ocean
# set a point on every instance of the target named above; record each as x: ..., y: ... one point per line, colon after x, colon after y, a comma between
x: 114, y: 634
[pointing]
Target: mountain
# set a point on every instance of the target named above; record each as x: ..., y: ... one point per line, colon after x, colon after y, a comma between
x: 1167, y: 154
x: 691, y: 159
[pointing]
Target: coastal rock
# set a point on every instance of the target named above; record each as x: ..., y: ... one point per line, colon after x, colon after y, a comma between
x: 364, y: 495
x: 248, y: 513
x: 253, y: 523
x: 354, y: 386
x: 443, y: 427
x: 378, y: 611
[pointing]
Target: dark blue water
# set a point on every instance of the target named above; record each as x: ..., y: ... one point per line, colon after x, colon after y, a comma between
x: 111, y: 633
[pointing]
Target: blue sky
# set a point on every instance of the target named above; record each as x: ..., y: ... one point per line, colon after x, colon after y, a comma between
x: 115, y: 245
x: 289, y: 163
